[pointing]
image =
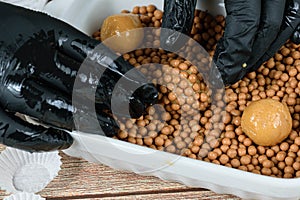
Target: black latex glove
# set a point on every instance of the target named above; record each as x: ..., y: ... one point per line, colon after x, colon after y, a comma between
x: 254, y: 31
x: 40, y: 58
x: 290, y: 29
x: 178, y: 19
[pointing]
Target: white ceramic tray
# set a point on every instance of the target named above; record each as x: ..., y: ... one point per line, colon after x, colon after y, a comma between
x: 87, y: 16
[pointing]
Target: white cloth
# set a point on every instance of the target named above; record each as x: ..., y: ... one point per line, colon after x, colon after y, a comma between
x: 31, y: 4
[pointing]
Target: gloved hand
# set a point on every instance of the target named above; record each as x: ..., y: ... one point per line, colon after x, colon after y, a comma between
x: 178, y: 19
x: 290, y: 29
x: 40, y: 62
x: 254, y: 31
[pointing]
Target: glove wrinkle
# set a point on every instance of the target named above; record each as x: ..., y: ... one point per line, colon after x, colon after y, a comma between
x: 290, y: 23
x: 271, y: 20
x: 235, y: 47
x: 16, y: 133
x: 296, y: 36
x: 177, y: 20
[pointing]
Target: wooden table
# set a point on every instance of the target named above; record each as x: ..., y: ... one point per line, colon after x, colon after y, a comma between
x: 79, y: 179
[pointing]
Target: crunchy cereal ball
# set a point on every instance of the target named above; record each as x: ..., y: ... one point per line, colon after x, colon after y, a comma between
x: 267, y: 122
x: 127, y: 29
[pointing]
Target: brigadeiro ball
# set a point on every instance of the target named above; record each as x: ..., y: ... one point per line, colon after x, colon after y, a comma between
x: 267, y: 122
x: 124, y: 30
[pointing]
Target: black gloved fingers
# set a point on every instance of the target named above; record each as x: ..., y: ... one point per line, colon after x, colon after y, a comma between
x: 129, y: 95
x: 271, y: 20
x: 277, y: 44
x: 98, y: 120
x: 54, y: 34
x: 296, y: 36
x: 235, y: 47
x: 62, y: 49
x: 54, y: 108
x: 103, y: 68
x: 17, y: 133
x: 141, y: 99
x: 106, y: 120
x: 22, y: 24
x: 55, y: 68
x: 61, y: 73
x: 37, y: 100
x: 177, y: 19
x: 54, y: 41
x: 290, y: 24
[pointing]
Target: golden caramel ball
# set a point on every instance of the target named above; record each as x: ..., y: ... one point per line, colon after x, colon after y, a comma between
x: 124, y: 30
x: 267, y: 122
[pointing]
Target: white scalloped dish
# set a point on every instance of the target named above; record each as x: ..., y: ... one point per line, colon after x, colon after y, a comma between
x: 145, y: 161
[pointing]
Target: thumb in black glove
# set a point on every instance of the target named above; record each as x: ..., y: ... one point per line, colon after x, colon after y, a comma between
x: 41, y: 59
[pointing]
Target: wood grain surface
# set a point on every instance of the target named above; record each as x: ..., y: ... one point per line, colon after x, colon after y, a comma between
x: 79, y: 179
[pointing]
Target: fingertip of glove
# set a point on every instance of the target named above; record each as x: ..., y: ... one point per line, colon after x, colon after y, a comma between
x: 296, y: 37
x: 61, y: 139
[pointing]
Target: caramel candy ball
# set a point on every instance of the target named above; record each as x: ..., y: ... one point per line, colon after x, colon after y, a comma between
x: 126, y: 29
x: 267, y: 122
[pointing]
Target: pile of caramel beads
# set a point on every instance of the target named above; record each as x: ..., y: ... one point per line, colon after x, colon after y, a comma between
x: 214, y: 134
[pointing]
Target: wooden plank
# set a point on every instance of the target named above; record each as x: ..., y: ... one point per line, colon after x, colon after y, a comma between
x: 80, y: 179
x: 166, y: 196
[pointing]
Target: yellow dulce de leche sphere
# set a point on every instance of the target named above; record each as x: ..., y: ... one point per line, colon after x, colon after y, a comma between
x: 122, y: 32
x: 267, y: 122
